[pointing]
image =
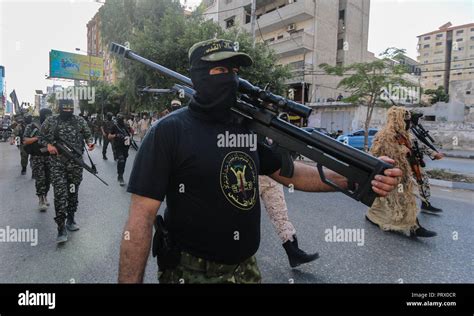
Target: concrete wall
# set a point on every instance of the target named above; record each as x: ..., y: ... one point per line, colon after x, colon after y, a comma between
x: 459, y: 89
x: 452, y: 135
x: 445, y: 112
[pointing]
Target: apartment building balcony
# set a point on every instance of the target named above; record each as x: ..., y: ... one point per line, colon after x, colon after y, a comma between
x: 298, y: 44
x: 291, y: 13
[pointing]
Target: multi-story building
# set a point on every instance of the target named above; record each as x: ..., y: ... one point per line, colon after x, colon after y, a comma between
x: 304, y: 34
x: 446, y: 57
x: 95, y: 47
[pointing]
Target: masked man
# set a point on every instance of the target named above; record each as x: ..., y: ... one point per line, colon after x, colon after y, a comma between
x: 105, y: 128
x: 18, y: 132
x: 66, y: 175
x: 39, y: 160
x: 398, y: 211
x: 211, y: 226
x: 120, y: 135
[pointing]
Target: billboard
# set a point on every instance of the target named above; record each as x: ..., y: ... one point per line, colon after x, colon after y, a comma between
x: 74, y: 66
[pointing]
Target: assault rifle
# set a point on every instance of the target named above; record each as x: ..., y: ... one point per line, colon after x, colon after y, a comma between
x: 125, y: 133
x: 357, y: 166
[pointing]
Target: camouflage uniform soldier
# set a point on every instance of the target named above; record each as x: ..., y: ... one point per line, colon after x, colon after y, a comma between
x: 39, y: 162
x: 66, y: 175
x: 18, y: 131
x: 271, y: 193
x: 424, y: 187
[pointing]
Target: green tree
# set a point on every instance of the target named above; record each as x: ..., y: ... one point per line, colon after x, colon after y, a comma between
x: 368, y: 82
x: 438, y: 95
x: 165, y: 37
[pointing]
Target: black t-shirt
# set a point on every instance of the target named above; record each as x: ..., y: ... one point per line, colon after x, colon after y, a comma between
x: 213, y: 205
x: 120, y: 138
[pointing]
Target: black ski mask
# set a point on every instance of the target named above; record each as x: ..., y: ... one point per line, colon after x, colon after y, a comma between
x: 215, y: 94
x: 44, y: 113
x: 120, y: 120
x: 66, y: 109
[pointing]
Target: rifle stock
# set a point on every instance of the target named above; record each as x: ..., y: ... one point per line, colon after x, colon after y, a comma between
x: 357, y: 166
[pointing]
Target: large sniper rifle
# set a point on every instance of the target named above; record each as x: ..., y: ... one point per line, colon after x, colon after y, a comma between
x: 358, y: 167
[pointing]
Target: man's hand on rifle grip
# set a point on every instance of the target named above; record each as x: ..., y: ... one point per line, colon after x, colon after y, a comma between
x: 383, y: 185
x: 52, y: 150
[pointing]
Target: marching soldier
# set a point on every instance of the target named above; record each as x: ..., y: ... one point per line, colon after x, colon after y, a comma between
x: 18, y: 132
x: 271, y: 193
x: 39, y: 160
x: 120, y: 134
x: 105, y: 128
x: 424, y: 187
x: 66, y: 175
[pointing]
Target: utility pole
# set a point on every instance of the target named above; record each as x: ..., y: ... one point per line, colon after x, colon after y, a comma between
x: 253, y: 19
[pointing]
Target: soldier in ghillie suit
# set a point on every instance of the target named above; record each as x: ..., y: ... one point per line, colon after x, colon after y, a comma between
x: 398, y: 210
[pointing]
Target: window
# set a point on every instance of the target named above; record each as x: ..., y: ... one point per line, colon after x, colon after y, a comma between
x: 460, y: 48
x: 459, y: 32
x: 471, y: 47
x: 372, y: 132
x: 438, y: 52
x: 439, y: 35
x: 425, y: 62
x: 426, y: 38
x: 455, y: 58
x: 472, y: 30
x: 340, y: 43
x: 472, y: 38
x: 459, y: 40
x: 230, y: 22
x: 426, y: 54
x: 439, y: 43
x: 359, y: 133
x: 426, y: 46
x: 437, y: 76
x: 457, y: 66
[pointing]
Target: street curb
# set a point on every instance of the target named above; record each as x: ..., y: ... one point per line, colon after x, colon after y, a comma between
x: 452, y: 185
x: 458, y: 156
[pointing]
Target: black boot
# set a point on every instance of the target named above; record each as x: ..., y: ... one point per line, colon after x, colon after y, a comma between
x: 296, y: 256
x: 120, y: 180
x: 23, y: 171
x: 104, y: 157
x: 62, y: 234
x: 423, y: 232
x: 430, y: 209
x: 70, y: 223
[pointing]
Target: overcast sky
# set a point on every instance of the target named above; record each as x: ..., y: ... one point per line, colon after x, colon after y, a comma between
x: 30, y: 29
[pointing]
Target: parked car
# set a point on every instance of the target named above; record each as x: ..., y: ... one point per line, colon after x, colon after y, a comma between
x: 356, y: 139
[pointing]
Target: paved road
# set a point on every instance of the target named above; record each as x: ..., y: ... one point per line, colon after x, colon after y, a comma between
x: 457, y: 165
x: 91, y: 254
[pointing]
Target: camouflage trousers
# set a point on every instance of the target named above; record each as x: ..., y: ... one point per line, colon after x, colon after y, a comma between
x: 196, y: 270
x: 424, y: 188
x: 23, y: 157
x: 41, y: 168
x: 271, y: 193
x: 66, y: 177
